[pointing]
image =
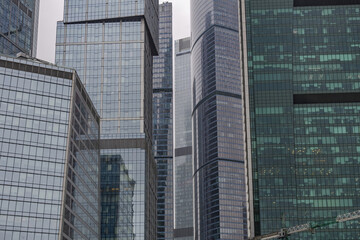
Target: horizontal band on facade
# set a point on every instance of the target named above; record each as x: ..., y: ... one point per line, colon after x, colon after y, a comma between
x: 183, y: 232
x: 217, y: 160
x: 163, y: 157
x: 36, y: 69
x: 210, y: 28
x: 326, y: 98
x: 308, y: 3
x: 227, y: 94
x: 159, y: 90
x: 183, y: 151
x: 122, y: 143
x: 107, y: 20
x: 183, y: 53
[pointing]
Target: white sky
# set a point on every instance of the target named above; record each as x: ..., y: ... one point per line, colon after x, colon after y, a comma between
x: 51, y: 11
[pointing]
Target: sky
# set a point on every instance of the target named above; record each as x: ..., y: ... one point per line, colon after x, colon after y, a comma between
x: 51, y: 11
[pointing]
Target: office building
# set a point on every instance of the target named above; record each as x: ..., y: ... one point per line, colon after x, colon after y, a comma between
x: 50, y: 159
x: 163, y: 123
x: 183, y: 172
x: 111, y: 44
x: 300, y: 62
x: 18, y: 26
x: 218, y: 139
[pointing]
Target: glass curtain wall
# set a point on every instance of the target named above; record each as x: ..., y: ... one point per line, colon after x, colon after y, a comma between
x: 219, y: 167
x: 18, y: 26
x: 163, y: 123
x: 111, y: 44
x: 304, y: 88
x: 183, y: 172
x: 50, y: 131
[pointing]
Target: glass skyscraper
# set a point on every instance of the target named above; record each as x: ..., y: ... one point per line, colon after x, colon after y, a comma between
x: 183, y: 172
x: 219, y: 167
x: 301, y: 65
x: 18, y: 26
x: 111, y: 44
x: 50, y: 159
x: 163, y: 123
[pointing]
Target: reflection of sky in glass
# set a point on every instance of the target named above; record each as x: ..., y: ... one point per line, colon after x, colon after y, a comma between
x: 114, y: 60
x: 34, y: 122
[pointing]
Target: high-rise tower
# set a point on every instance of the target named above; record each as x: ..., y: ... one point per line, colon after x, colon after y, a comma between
x: 183, y: 177
x: 219, y: 168
x: 50, y: 158
x: 300, y: 62
x: 163, y: 122
x: 111, y: 44
x: 18, y: 26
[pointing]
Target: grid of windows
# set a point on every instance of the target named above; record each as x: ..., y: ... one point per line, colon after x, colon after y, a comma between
x: 162, y: 123
x: 93, y: 10
x: 114, y: 84
x: 18, y: 26
x: 81, y: 204
x: 183, y: 184
x: 217, y: 122
x: 114, y: 55
x: 122, y: 184
x: 35, y: 116
x: 305, y: 152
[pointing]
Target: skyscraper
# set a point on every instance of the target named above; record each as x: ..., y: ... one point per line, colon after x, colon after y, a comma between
x: 300, y: 62
x: 111, y: 44
x: 183, y: 172
x: 18, y: 26
x: 219, y: 167
x: 163, y: 122
x: 50, y: 159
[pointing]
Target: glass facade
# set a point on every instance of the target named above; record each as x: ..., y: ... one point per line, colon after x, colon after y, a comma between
x: 49, y: 165
x: 303, y: 81
x: 218, y: 139
x: 111, y: 44
x: 162, y: 123
x: 18, y: 26
x: 183, y: 172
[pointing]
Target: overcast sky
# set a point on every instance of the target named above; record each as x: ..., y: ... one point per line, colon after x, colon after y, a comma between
x: 51, y: 11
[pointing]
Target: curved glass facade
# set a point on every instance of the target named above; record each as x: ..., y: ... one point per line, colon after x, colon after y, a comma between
x: 303, y: 59
x: 219, y: 175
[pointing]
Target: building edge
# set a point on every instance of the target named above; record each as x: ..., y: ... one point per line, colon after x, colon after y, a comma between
x: 246, y: 117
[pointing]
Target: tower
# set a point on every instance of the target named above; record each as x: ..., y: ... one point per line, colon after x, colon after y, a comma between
x: 183, y: 172
x: 218, y: 139
x: 163, y: 123
x: 111, y: 45
x: 299, y: 61
x: 50, y: 158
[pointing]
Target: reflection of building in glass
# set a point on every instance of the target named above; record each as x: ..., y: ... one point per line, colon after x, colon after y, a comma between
x: 183, y: 184
x: 162, y: 123
x: 49, y: 131
x: 18, y: 26
x: 117, y: 193
x: 111, y: 45
x: 219, y: 168
x: 301, y: 62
